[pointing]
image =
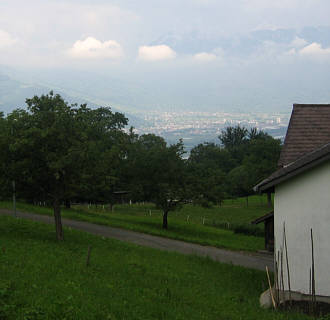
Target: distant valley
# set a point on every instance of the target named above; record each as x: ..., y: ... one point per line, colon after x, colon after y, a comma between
x: 192, y: 127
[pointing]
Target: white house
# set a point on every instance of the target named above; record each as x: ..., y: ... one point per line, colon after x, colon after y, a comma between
x: 302, y: 203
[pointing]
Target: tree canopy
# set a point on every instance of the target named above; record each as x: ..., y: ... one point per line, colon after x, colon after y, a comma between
x: 58, y: 153
x: 53, y: 146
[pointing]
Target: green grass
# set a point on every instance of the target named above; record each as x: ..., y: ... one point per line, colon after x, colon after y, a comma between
x: 43, y: 279
x: 193, y: 223
x: 137, y: 218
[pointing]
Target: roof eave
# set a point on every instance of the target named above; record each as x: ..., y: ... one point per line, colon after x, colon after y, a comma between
x: 269, y: 186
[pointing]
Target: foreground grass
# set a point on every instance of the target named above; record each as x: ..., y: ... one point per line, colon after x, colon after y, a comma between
x: 145, y: 218
x: 43, y: 279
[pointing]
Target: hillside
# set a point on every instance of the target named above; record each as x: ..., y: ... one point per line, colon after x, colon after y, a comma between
x: 14, y: 92
x: 42, y: 279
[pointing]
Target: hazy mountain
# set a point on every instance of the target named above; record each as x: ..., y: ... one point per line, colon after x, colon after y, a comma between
x: 240, y: 44
x: 13, y: 94
x: 251, y: 72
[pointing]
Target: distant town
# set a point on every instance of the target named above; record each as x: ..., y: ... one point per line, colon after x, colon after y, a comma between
x: 199, y: 127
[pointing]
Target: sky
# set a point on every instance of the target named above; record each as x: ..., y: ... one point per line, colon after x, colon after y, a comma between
x: 205, y: 44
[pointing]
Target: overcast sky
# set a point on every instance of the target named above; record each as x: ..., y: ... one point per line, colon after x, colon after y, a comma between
x: 50, y: 32
x: 164, y: 35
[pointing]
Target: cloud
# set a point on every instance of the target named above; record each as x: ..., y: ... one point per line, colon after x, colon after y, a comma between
x: 315, y: 50
x: 6, y: 40
x: 154, y: 53
x: 205, y: 57
x: 291, y: 52
x: 298, y: 42
x: 91, y: 48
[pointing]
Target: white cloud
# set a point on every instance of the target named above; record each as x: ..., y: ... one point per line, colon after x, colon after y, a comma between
x: 298, y: 42
x: 205, y: 57
x: 92, y: 48
x: 6, y: 40
x: 315, y: 50
x: 154, y: 53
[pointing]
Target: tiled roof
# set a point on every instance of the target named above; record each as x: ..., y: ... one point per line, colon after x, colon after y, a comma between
x: 309, y: 129
x: 302, y: 164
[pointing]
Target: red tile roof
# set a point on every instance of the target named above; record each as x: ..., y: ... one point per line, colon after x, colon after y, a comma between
x: 309, y: 129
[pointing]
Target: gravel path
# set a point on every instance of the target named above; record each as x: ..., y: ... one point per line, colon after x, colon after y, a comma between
x: 250, y: 260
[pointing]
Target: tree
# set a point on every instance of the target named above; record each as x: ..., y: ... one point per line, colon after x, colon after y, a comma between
x: 54, y: 147
x: 240, y: 182
x: 212, y: 155
x: 156, y: 172
x: 5, y: 157
x: 261, y: 156
x: 256, y: 154
x: 205, y: 185
x: 206, y: 169
x: 233, y: 136
x: 169, y: 188
x: 106, y: 147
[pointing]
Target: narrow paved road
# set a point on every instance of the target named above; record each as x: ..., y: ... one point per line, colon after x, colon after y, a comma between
x: 249, y: 260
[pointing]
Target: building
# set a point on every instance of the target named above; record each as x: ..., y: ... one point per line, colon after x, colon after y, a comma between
x: 268, y: 220
x: 302, y: 203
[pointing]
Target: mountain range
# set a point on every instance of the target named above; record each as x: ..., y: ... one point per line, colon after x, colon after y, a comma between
x: 252, y: 73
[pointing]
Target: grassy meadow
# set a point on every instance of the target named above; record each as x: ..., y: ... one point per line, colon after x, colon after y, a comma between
x: 207, y: 226
x: 43, y: 279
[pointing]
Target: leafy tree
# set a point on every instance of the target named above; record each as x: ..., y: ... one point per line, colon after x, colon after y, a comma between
x: 206, y: 169
x: 156, y: 172
x: 205, y: 185
x: 261, y: 156
x: 256, y: 154
x: 141, y: 164
x: 168, y: 174
x: 5, y: 158
x: 106, y: 152
x: 56, y: 146
x: 211, y: 155
x: 233, y: 136
x: 240, y: 182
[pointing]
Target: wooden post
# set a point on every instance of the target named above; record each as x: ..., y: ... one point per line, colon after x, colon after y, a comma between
x: 270, y: 288
x: 88, y: 255
x: 277, y: 275
x: 287, y: 262
x: 58, y: 220
x: 313, y: 274
x: 14, y: 199
x: 282, y: 276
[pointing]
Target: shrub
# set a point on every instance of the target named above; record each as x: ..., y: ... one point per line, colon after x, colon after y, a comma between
x: 248, y: 229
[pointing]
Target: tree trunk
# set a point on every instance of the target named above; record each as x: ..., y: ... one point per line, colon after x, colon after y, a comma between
x: 269, y: 200
x: 67, y: 204
x: 58, y: 221
x: 165, y: 213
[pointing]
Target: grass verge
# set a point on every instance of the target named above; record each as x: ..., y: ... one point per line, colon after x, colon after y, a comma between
x: 43, y: 279
x: 139, y: 219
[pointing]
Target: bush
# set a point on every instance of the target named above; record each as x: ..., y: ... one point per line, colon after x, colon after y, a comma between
x: 248, y: 229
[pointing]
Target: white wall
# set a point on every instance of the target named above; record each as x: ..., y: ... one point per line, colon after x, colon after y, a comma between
x: 302, y: 203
